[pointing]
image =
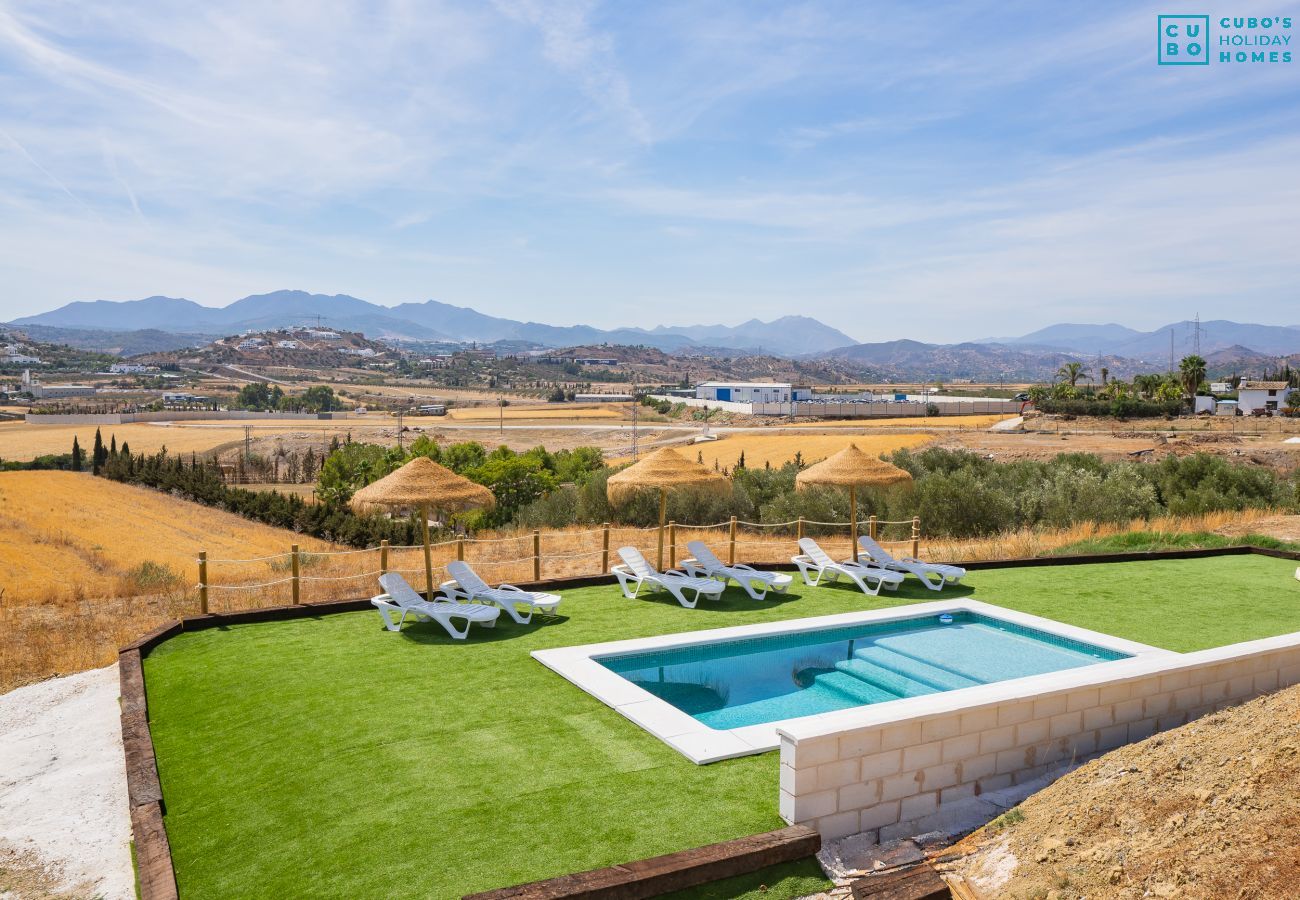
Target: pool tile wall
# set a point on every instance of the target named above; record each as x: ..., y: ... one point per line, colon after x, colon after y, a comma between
x: 855, y: 771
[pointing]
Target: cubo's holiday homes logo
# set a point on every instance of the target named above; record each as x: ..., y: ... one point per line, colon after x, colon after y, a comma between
x: 1186, y: 40
x: 1183, y: 40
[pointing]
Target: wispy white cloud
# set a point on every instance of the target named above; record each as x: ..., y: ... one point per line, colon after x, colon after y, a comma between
x: 579, y: 160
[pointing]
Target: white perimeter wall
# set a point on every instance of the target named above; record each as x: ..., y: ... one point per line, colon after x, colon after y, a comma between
x: 842, y: 779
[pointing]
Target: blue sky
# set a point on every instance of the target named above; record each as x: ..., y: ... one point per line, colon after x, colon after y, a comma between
x: 934, y: 171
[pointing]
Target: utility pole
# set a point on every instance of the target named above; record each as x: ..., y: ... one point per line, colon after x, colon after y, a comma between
x: 501, y: 415
x: 1171, y: 349
x: 636, y: 416
x: 248, y: 443
x: 1196, y: 340
x: 399, y: 430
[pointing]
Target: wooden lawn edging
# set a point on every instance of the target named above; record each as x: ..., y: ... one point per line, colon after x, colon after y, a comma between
x: 671, y: 872
x: 157, y: 875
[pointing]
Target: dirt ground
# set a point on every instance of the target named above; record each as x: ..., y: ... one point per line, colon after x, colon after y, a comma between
x: 1284, y: 528
x: 1264, y: 450
x: 1209, y: 810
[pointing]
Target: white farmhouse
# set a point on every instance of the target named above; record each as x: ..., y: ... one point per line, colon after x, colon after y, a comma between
x: 1265, y: 395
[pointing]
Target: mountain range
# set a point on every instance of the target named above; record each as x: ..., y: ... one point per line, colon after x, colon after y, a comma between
x: 427, y: 321
x: 1151, y: 346
x: 165, y: 323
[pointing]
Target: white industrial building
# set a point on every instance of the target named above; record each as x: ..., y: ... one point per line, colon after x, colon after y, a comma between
x: 1262, y: 395
x: 751, y: 392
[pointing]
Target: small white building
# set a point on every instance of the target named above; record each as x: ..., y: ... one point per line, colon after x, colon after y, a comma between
x: 288, y: 345
x: 1220, y: 387
x: 1202, y: 404
x: 1262, y: 395
x: 130, y: 369
x: 751, y: 391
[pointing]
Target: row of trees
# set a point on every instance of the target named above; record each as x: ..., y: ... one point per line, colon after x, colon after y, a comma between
x: 262, y: 397
x: 515, y: 479
x: 956, y: 493
x: 201, y: 481
x: 1146, y: 395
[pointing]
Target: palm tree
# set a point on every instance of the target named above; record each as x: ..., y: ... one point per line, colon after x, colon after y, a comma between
x: 1072, y: 372
x: 1192, y: 372
x: 1147, y: 384
x: 1105, y: 374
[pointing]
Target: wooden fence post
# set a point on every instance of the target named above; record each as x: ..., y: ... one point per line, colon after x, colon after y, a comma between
x: 383, y: 557
x: 537, y: 555
x: 871, y: 527
x: 297, y: 583
x: 460, y: 549
x: 672, y: 545
x: 916, y: 537
x: 799, y: 532
x: 203, y: 582
x: 731, y: 550
x: 604, y: 548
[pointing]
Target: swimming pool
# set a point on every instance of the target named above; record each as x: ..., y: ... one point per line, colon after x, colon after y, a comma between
x: 736, y: 683
x: 724, y: 692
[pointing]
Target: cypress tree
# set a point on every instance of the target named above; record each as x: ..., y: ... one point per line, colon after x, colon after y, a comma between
x: 99, y: 454
x: 78, y: 458
x: 112, y: 445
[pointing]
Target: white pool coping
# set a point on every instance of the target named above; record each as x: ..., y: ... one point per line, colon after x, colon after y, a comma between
x: 701, y: 744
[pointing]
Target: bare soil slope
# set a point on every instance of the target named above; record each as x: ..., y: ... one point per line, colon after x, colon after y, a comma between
x: 1209, y: 810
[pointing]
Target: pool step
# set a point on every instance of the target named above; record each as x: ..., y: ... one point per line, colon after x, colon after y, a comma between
x: 855, y: 689
x: 936, y: 677
x: 886, y: 679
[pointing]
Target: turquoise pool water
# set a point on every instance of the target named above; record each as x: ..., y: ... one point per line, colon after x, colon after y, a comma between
x: 733, y: 683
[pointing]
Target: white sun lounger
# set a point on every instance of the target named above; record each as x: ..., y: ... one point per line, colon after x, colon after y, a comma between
x: 755, y: 583
x: 400, y: 597
x: 635, y: 570
x: 876, y: 555
x: 518, y: 603
x: 814, y: 565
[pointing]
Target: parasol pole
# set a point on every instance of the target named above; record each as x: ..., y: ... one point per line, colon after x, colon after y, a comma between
x: 428, y: 555
x: 853, y: 522
x: 663, y: 514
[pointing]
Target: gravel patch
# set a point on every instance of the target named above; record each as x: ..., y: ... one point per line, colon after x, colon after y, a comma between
x: 64, y: 825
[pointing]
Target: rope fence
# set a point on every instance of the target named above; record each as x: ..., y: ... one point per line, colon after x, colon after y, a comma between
x: 315, y: 575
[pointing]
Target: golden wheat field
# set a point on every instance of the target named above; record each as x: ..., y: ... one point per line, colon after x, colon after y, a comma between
x: 978, y: 421
x: 21, y: 441
x: 68, y: 534
x: 492, y: 413
x: 760, y: 449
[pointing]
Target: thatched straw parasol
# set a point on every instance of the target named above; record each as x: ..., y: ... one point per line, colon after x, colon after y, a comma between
x: 853, y: 469
x: 424, y: 485
x: 666, y: 470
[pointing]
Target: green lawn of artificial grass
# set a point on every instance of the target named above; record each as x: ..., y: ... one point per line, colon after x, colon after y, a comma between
x: 329, y: 758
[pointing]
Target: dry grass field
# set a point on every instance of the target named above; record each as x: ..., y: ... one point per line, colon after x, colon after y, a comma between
x: 534, y: 413
x: 21, y: 441
x: 89, y: 564
x: 941, y: 422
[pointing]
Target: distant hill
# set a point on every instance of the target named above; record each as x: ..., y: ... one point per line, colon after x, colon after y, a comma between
x: 118, y: 343
x: 1153, y: 346
x: 914, y: 361
x: 430, y: 320
x: 1081, y: 338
